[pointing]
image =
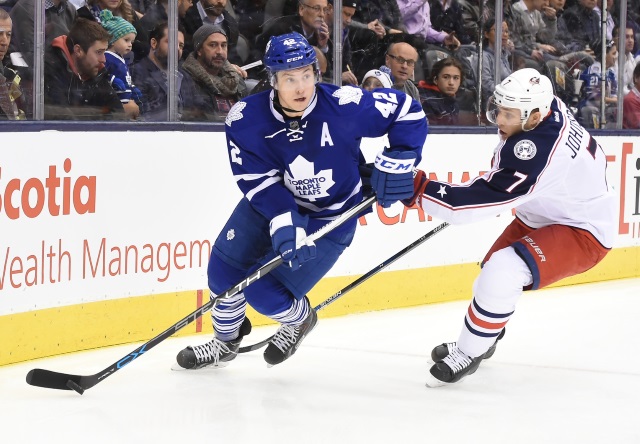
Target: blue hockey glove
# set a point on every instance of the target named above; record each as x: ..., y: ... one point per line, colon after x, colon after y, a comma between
x: 392, y: 177
x: 287, y: 235
x: 420, y: 182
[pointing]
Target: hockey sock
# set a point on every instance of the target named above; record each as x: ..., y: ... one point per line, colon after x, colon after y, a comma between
x: 295, y: 314
x: 496, y: 292
x: 227, y: 317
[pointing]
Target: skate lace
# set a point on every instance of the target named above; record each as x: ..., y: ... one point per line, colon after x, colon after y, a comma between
x: 210, y: 352
x: 286, y: 336
x: 457, y: 360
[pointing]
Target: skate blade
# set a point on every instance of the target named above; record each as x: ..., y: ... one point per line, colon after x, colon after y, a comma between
x: 177, y: 368
x: 433, y: 382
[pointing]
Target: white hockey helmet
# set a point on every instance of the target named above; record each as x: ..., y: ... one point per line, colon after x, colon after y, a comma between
x: 526, y: 90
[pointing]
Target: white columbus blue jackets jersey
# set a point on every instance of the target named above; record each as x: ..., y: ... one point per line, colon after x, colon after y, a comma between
x: 554, y: 174
x: 310, y: 164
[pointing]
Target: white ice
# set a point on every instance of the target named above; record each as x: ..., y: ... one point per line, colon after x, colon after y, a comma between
x: 567, y: 371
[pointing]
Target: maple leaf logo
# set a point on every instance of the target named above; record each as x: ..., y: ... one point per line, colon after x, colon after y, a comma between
x: 303, y: 181
x: 235, y: 113
x: 348, y: 94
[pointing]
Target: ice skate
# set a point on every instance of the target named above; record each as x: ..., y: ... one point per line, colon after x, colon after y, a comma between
x: 288, y: 338
x: 441, y: 351
x: 455, y: 366
x: 215, y: 353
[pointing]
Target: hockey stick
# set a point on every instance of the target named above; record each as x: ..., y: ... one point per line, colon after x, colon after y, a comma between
x: 358, y: 281
x: 63, y: 381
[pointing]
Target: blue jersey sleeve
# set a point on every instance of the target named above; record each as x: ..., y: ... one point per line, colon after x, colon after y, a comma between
x: 392, y: 112
x: 258, y: 173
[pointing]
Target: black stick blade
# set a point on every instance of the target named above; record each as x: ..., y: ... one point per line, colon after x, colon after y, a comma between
x: 60, y: 381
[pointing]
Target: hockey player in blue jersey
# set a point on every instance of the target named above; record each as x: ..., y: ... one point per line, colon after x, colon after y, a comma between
x: 550, y: 169
x: 295, y: 154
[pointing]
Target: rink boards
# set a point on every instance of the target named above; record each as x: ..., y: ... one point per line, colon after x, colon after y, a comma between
x: 106, y: 236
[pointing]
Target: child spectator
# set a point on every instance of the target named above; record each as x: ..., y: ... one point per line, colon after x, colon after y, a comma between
x: 376, y: 79
x: 122, y: 34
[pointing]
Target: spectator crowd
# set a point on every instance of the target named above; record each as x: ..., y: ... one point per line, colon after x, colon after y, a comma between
x: 108, y: 59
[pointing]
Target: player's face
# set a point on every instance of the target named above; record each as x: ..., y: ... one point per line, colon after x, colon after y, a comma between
x: 448, y: 81
x: 296, y: 88
x: 213, y: 52
x: 89, y: 63
x: 5, y: 37
x: 507, y: 119
x: 123, y: 45
x: 372, y: 83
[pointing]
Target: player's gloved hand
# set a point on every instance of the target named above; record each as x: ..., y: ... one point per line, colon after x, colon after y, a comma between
x: 392, y: 178
x: 420, y: 182
x: 287, y: 235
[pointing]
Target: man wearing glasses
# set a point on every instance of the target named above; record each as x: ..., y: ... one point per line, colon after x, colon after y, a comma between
x: 310, y: 22
x: 401, y: 59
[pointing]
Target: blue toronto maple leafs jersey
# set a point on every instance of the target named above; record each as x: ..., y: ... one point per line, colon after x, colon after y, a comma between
x: 310, y: 164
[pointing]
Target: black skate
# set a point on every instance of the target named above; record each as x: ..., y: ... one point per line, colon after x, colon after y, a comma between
x: 441, y: 351
x: 451, y: 364
x: 215, y: 353
x: 288, y: 338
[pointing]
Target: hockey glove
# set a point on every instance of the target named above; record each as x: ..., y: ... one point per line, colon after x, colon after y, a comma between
x: 392, y: 178
x: 420, y: 182
x: 287, y: 235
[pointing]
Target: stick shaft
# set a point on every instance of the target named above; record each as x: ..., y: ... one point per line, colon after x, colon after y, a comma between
x: 55, y: 380
x: 359, y: 281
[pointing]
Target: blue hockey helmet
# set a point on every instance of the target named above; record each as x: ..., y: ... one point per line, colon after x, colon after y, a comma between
x: 289, y: 51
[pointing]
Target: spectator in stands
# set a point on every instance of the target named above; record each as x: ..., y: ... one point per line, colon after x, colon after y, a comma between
x: 583, y: 25
x: 157, y: 13
x: 610, y: 21
x: 626, y: 79
x: 212, y: 12
x: 446, y: 15
x: 438, y: 94
x: 631, y: 104
x: 11, y: 97
x: 76, y: 85
x: 150, y: 75
x: 119, y: 8
x: 534, y: 30
x: 141, y: 6
x: 218, y: 84
x: 59, y: 16
x: 7, y: 4
x: 489, y: 79
x: 416, y: 18
x: 310, y: 22
x: 376, y: 79
x: 401, y: 60
x: 380, y: 16
x: 589, y: 107
x: 348, y: 9
x: 121, y: 37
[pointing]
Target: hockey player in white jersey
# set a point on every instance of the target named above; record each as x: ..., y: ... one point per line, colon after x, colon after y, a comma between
x: 552, y: 172
x: 295, y: 155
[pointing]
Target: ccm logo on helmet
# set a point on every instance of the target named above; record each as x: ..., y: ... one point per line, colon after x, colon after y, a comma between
x: 293, y: 59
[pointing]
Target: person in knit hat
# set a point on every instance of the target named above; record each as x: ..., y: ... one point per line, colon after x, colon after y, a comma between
x: 376, y: 79
x: 219, y: 84
x: 121, y: 37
